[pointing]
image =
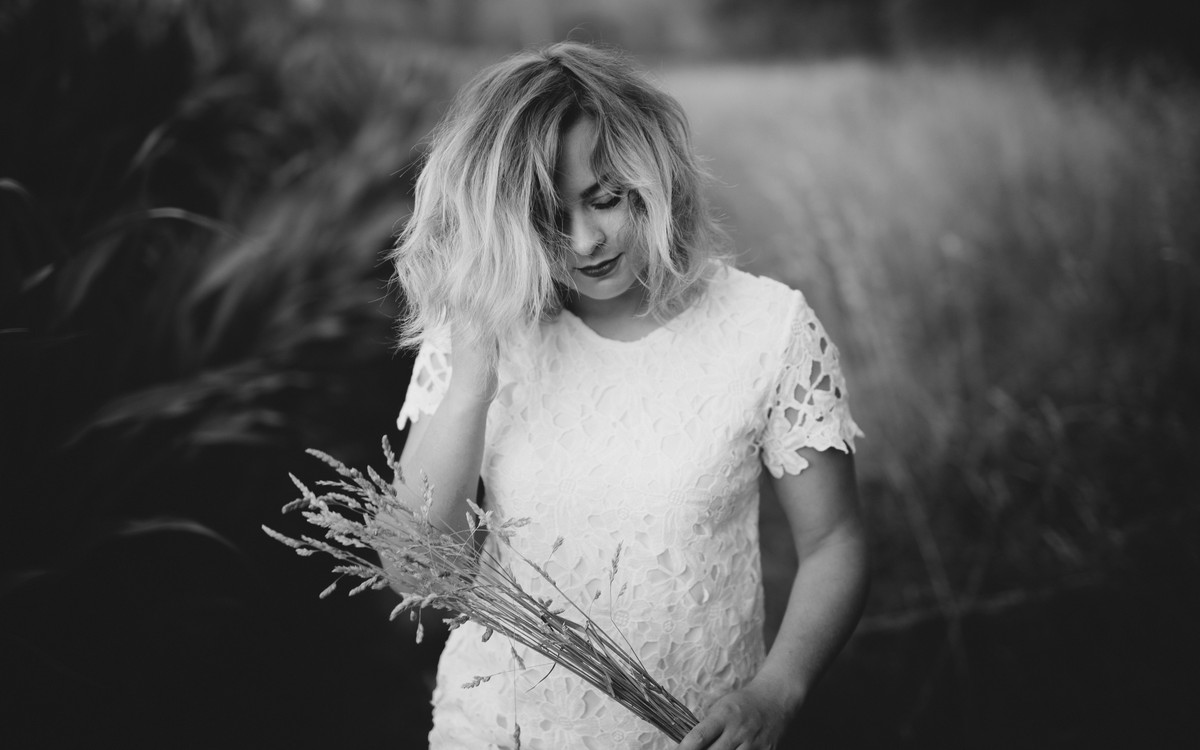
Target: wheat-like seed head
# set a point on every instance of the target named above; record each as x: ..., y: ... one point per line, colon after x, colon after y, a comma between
x: 363, y: 516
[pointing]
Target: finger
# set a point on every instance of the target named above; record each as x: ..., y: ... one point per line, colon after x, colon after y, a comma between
x: 735, y: 737
x: 701, y: 736
x: 730, y: 739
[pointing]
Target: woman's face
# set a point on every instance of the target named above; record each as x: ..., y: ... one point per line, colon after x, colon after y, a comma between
x: 603, y: 258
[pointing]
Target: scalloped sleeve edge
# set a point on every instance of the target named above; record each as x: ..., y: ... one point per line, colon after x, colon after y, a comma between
x: 809, y: 406
x: 430, y: 380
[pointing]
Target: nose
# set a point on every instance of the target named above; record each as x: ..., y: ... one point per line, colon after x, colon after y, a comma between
x: 586, y: 235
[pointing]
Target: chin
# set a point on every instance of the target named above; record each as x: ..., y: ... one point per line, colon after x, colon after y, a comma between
x: 622, y: 282
x: 601, y: 294
x: 606, y: 289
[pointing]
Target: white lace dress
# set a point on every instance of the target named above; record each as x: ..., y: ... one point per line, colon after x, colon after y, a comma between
x: 655, y: 445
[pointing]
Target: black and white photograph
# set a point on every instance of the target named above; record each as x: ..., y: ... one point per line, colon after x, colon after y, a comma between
x: 599, y: 375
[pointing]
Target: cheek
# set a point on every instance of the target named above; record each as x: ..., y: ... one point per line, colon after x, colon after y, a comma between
x: 621, y: 226
x: 634, y: 243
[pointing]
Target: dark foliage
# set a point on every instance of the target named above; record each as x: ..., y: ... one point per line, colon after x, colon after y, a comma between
x: 193, y: 202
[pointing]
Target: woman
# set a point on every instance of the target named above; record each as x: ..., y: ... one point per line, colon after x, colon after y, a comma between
x: 588, y: 355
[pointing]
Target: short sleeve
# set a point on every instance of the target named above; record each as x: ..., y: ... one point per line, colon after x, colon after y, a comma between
x: 430, y: 379
x: 808, y: 406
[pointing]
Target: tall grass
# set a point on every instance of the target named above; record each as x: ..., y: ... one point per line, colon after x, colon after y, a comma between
x: 1007, y: 257
x: 194, y: 198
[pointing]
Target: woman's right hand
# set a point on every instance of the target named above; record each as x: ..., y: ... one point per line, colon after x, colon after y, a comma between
x: 473, y: 367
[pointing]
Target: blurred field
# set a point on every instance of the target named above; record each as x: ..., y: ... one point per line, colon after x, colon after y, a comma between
x: 194, y: 199
x: 193, y: 202
x: 1007, y: 258
x: 1009, y: 264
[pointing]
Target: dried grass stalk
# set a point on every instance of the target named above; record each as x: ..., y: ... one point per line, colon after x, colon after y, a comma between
x: 363, y: 514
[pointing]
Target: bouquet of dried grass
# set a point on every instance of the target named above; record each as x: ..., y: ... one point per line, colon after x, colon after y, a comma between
x: 433, y: 567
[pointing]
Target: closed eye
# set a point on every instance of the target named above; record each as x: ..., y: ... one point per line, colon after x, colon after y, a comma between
x: 605, y: 205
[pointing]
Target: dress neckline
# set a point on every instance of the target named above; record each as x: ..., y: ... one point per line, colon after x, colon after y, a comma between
x: 670, y: 327
x: 663, y: 329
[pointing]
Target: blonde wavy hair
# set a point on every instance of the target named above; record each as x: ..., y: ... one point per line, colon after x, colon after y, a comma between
x: 484, y: 249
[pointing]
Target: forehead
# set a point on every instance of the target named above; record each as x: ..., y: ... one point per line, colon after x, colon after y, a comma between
x: 573, y: 170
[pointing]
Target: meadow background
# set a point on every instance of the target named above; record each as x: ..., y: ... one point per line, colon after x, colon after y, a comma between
x: 992, y: 206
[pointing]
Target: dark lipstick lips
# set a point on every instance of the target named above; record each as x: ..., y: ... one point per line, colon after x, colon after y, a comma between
x: 600, y: 269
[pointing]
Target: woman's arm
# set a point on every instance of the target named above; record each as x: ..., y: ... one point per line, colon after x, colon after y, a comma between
x: 827, y: 597
x: 446, y: 447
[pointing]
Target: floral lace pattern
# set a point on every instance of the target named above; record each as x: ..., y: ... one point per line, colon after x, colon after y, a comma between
x: 654, y: 446
x: 809, y: 408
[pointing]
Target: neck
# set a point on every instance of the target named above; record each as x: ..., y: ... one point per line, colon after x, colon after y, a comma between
x: 625, y: 306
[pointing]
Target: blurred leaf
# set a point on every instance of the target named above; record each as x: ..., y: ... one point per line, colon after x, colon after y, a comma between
x: 133, y: 219
x: 246, y: 427
x: 227, y: 392
x: 146, y: 526
x: 33, y: 247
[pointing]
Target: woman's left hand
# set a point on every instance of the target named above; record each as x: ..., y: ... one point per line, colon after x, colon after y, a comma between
x: 753, y: 718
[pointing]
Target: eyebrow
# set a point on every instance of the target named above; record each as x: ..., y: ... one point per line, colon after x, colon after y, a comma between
x: 589, y: 193
x: 596, y: 187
